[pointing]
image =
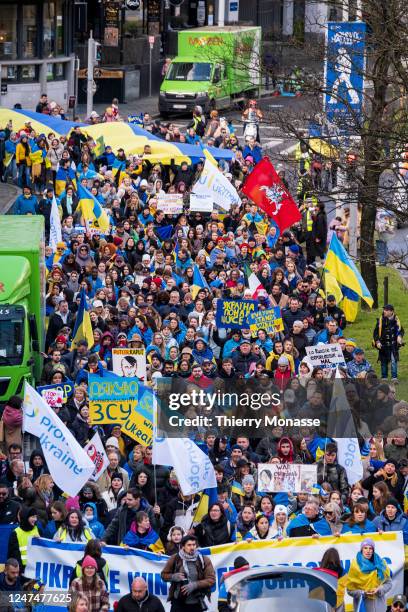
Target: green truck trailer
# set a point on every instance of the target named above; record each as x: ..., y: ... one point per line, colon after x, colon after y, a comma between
x: 214, y: 68
x: 22, y: 302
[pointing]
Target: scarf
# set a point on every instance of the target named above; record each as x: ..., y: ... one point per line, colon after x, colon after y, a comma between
x: 186, y: 557
x: 370, y: 565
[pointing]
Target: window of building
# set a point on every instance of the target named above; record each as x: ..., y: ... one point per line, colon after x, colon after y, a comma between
x: 29, y: 31
x: 28, y: 73
x: 49, y: 29
x: 8, y: 31
x: 59, y: 30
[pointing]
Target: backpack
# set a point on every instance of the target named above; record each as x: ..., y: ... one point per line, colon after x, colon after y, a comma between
x: 199, y: 128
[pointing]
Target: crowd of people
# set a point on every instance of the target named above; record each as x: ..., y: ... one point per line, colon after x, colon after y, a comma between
x: 141, y: 294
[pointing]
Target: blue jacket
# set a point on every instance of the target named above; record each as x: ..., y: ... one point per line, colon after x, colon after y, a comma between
x: 94, y: 525
x: 229, y: 347
x: 400, y: 523
x: 25, y: 206
x: 323, y: 336
x: 256, y: 153
x: 321, y: 526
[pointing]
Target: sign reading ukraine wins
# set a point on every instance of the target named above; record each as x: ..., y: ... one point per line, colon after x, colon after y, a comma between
x: 122, y: 401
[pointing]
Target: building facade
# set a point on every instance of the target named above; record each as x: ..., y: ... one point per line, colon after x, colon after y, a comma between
x: 36, y: 51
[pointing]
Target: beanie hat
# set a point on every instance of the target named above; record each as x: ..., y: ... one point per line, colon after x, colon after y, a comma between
x: 89, y: 562
x: 393, y: 502
x: 367, y: 542
x: 392, y: 461
x: 248, y: 479
x: 112, y: 441
x: 116, y: 475
x: 283, y: 361
x: 280, y: 508
x: 240, y: 562
x: 72, y: 503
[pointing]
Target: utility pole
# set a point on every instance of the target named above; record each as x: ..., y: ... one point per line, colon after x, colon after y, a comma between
x: 94, y: 57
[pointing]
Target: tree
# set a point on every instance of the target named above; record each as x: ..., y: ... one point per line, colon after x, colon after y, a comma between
x: 378, y: 135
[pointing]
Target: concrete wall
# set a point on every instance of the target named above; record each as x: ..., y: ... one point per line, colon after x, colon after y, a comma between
x: 28, y: 94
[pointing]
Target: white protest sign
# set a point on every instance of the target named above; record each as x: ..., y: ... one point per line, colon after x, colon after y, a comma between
x: 286, y: 477
x: 53, y: 397
x: 201, y: 202
x: 129, y: 362
x: 52, y: 562
x: 96, y: 452
x: 325, y: 356
x: 170, y: 203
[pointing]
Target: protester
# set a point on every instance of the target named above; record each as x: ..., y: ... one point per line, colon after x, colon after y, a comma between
x: 139, y: 599
x: 191, y: 575
x: 369, y: 579
x: 91, y: 586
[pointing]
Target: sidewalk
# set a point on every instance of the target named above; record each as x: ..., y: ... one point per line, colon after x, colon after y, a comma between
x: 142, y: 105
x: 8, y: 194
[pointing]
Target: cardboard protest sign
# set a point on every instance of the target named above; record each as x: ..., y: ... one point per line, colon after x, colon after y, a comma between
x: 286, y: 477
x: 269, y: 320
x: 129, y: 362
x: 234, y: 314
x: 325, y: 356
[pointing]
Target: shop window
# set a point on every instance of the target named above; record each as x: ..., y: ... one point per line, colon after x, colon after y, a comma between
x: 49, y: 29
x: 8, y: 31
x: 30, y: 31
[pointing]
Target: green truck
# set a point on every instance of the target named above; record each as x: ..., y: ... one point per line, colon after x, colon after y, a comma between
x: 22, y: 302
x: 214, y: 68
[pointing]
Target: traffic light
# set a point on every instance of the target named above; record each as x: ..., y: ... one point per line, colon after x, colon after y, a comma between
x: 97, y: 47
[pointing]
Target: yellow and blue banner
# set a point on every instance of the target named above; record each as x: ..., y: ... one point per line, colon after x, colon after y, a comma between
x: 269, y: 320
x: 92, y: 211
x: 233, y: 314
x: 342, y: 267
x: 83, y: 326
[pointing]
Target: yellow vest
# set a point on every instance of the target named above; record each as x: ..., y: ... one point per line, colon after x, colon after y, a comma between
x: 22, y: 539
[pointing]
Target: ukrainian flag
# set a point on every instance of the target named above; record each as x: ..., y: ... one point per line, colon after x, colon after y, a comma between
x: 210, y: 157
x: 92, y: 211
x: 341, y: 266
x: 99, y: 148
x: 208, y: 497
x: 199, y: 282
x: 62, y: 178
x: 119, y: 170
x: 236, y: 488
x: 349, y: 304
x: 83, y: 327
x: 332, y: 287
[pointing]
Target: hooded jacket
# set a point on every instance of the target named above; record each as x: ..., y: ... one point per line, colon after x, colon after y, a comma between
x: 17, y: 546
x: 96, y: 526
x: 400, y: 523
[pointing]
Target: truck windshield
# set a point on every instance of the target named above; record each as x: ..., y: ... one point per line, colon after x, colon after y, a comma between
x: 186, y: 71
x: 11, y: 337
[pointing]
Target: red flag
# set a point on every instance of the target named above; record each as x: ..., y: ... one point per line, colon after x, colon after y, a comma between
x: 264, y: 187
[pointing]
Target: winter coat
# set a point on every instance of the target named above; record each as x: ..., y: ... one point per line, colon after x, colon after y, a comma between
x: 205, y: 574
x: 211, y: 533
x: 335, y: 475
x: 387, y: 331
x: 400, y: 523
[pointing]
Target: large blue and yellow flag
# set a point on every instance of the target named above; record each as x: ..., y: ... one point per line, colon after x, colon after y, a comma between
x: 83, y: 326
x: 341, y: 266
x: 349, y: 304
x: 199, y: 282
x: 92, y: 211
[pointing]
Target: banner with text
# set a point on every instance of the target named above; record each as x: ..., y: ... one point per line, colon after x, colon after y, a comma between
x: 170, y: 203
x: 325, y: 356
x: 233, y: 314
x: 52, y: 562
x: 112, y: 398
x: 269, y: 320
x: 129, y: 362
x: 286, y: 477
